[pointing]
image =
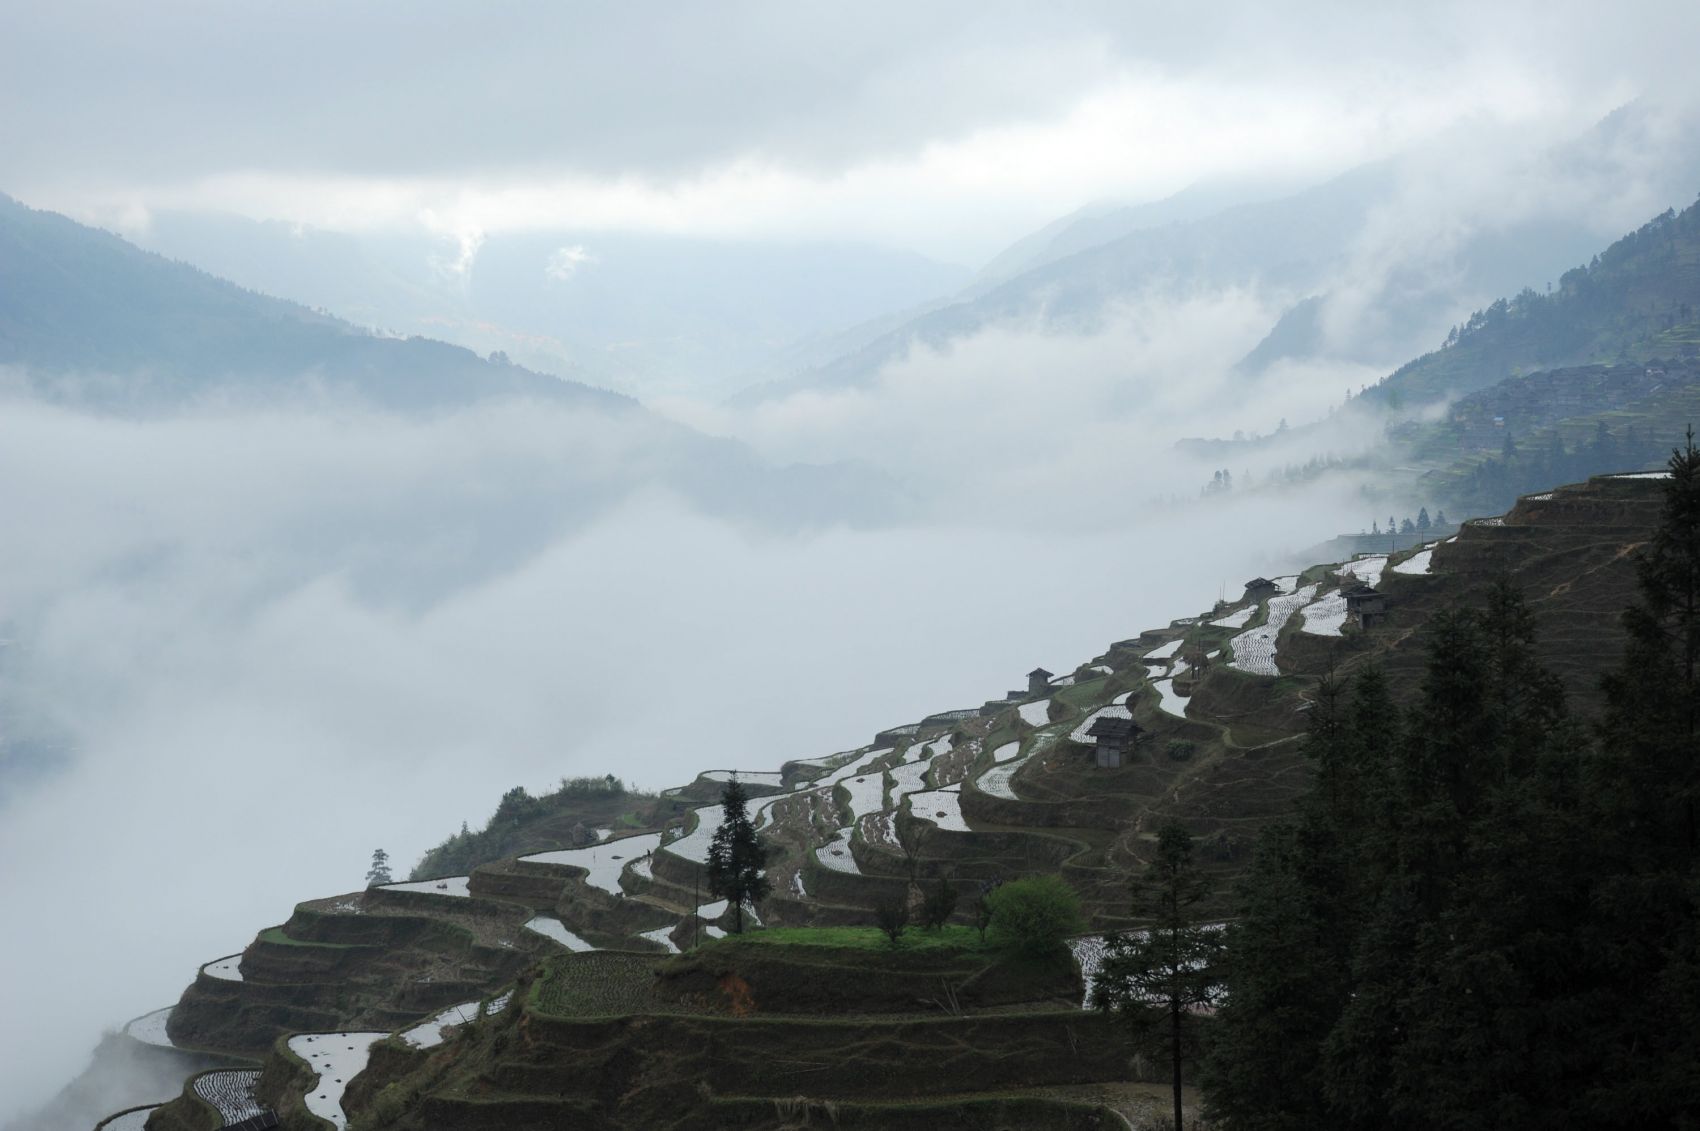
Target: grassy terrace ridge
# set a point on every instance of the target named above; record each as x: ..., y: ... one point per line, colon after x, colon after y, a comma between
x: 965, y: 940
x: 276, y: 936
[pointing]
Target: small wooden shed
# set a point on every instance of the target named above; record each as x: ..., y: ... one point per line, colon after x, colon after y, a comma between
x: 1365, y: 605
x: 1114, y: 739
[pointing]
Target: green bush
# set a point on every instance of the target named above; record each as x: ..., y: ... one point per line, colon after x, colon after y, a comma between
x: 1035, y: 915
x: 891, y: 916
x: 939, y: 905
x: 1180, y: 751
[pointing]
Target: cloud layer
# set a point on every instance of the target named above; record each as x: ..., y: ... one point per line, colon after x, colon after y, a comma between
x: 759, y: 119
x: 247, y: 647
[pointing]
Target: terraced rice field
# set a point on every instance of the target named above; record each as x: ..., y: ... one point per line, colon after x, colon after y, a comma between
x: 1254, y: 649
x: 607, y: 983
x: 231, y: 1093
x: 1007, y: 751
x: 1166, y: 651
x: 909, y: 778
x: 225, y: 968
x: 997, y: 780
x: 551, y: 928
x: 446, y: 885
x: 661, y: 935
x: 694, y: 845
x: 867, y: 793
x: 1035, y: 714
x: 1325, y: 616
x: 604, y: 862
x: 130, y: 1121
x: 1169, y: 701
x: 337, y: 1058
x: 830, y: 762
x: 855, y: 767
x: 749, y: 777
x: 943, y: 807
x: 720, y: 906
x: 430, y: 1034
x: 1417, y: 563
x: 1088, y: 951
x: 1237, y: 618
x: 150, y: 1028
x: 1366, y: 570
x: 835, y: 853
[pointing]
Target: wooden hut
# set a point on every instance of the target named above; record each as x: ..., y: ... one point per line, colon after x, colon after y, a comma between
x: 1114, y: 739
x: 1365, y: 606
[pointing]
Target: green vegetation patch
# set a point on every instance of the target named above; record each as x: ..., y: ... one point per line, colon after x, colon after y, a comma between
x: 946, y: 939
x: 599, y: 984
x: 276, y: 936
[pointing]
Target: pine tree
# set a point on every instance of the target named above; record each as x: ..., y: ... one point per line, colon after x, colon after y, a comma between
x: 737, y: 856
x: 1423, y: 522
x: 1648, y: 891
x: 379, y: 872
x: 1157, y: 978
x: 1654, y: 714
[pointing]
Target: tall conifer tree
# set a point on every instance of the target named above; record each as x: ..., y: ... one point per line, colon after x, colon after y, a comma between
x: 737, y: 856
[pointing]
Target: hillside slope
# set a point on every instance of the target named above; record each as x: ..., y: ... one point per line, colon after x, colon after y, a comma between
x: 1004, y: 789
x: 88, y: 317
x: 1639, y: 299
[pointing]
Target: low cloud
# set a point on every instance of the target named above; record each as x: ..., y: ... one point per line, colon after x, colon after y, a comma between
x: 1027, y: 428
x: 566, y: 261
x: 247, y: 647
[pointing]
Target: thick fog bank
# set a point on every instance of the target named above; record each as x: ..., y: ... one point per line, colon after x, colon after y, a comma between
x: 245, y: 648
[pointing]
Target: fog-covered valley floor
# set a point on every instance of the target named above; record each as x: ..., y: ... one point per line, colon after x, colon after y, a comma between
x: 245, y: 646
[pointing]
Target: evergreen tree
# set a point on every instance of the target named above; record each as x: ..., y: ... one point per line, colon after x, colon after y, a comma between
x: 1157, y: 978
x: 1423, y: 522
x: 1413, y: 950
x: 737, y: 856
x: 1654, y: 714
x: 379, y: 872
x: 1648, y: 892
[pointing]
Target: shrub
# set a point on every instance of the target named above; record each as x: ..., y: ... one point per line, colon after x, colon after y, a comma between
x: 1180, y: 751
x: 891, y: 916
x: 939, y: 905
x: 1035, y: 915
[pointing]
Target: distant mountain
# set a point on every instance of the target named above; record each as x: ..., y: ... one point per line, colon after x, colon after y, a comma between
x: 646, y: 314
x: 1637, y: 300
x: 86, y: 316
x: 1105, y: 222
x: 89, y: 320
x: 1370, y: 267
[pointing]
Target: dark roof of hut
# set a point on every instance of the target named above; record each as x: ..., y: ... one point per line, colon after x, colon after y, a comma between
x: 1111, y: 727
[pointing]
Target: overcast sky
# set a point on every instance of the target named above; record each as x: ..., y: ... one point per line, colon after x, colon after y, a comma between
x: 951, y: 128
